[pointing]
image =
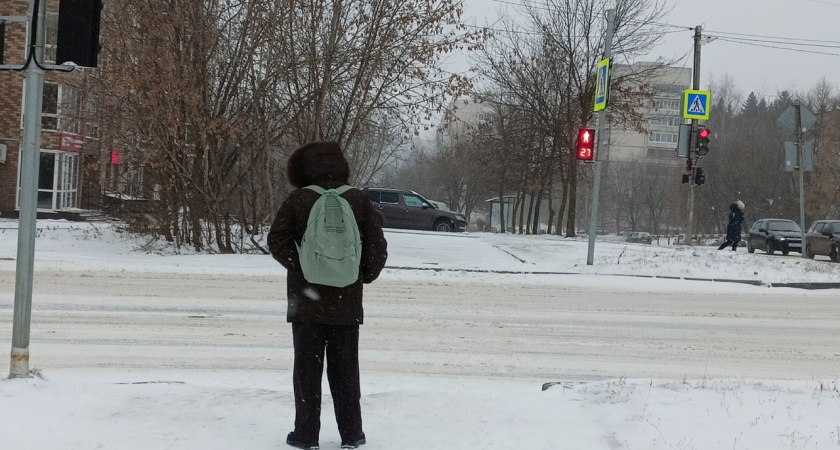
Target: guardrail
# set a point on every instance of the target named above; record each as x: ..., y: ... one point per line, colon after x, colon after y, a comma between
x: 679, y: 239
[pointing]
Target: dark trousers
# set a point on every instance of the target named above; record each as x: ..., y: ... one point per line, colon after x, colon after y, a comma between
x: 725, y: 244
x: 341, y: 343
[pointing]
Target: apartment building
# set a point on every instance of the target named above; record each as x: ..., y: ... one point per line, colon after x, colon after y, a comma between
x: 663, y: 116
x: 62, y: 185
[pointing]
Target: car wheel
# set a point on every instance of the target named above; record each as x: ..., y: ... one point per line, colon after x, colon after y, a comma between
x: 769, y: 247
x: 443, y: 225
x: 808, y: 253
x: 785, y: 252
x: 750, y: 247
x: 834, y: 254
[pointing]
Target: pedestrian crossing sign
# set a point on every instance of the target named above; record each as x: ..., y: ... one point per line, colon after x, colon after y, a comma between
x: 696, y: 104
x: 602, y: 85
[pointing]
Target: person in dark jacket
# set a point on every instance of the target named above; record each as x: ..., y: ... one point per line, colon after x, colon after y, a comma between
x: 733, y: 229
x: 324, y: 318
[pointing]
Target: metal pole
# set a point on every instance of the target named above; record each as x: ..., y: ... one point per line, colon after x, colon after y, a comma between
x: 602, y: 119
x: 801, y: 159
x: 30, y: 155
x: 692, y: 153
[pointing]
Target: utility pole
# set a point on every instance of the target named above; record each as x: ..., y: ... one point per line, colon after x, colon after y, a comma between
x: 800, y: 154
x: 602, y: 119
x: 29, y: 162
x: 30, y: 155
x: 692, y: 154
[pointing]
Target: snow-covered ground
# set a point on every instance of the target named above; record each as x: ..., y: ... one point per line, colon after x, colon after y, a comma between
x: 93, y: 396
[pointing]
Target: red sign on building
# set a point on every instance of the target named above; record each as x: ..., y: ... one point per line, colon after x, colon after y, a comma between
x: 70, y: 142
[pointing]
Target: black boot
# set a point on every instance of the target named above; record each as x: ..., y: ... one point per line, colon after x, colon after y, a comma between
x: 292, y: 440
x: 354, y: 443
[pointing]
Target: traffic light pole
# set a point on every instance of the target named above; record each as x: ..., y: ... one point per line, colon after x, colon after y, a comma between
x: 602, y: 119
x: 29, y: 162
x: 692, y: 154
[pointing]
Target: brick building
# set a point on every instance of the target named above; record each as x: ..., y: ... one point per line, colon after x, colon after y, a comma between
x: 61, y: 187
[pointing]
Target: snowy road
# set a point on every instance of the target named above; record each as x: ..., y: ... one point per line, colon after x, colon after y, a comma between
x: 541, y: 332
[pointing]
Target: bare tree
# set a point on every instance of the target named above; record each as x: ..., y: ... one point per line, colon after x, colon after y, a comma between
x: 209, y: 97
x: 547, y: 65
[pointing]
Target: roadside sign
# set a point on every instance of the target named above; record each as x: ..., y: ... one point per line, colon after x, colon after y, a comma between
x: 684, y: 140
x: 788, y: 119
x: 602, y: 84
x: 791, y: 156
x: 696, y: 104
x: 70, y: 142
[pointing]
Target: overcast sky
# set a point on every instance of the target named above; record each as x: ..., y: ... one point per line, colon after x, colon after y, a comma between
x: 756, y: 62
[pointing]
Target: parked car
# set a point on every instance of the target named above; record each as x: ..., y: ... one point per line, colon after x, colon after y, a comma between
x: 439, y: 205
x: 641, y: 237
x: 399, y: 208
x: 772, y: 235
x: 823, y: 238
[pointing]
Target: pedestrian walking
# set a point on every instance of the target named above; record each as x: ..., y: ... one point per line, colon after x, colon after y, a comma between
x: 325, y: 318
x: 733, y: 228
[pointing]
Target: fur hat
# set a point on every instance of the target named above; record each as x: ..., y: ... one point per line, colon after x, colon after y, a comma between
x: 740, y: 205
x: 317, y: 162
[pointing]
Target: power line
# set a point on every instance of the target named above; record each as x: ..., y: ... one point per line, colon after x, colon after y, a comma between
x: 738, y: 38
x: 736, y: 41
x: 537, y: 33
x: 771, y: 37
x: 825, y: 3
x: 767, y: 41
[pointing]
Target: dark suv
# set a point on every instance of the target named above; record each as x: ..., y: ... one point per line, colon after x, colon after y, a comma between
x: 400, y: 208
x: 823, y: 238
x: 773, y: 235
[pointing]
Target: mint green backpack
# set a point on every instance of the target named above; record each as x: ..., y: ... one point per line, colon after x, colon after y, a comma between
x: 331, y: 249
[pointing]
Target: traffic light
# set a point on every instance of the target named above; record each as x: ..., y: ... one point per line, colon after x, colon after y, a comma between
x: 78, y: 32
x: 586, y: 145
x: 702, y: 140
x: 699, y: 176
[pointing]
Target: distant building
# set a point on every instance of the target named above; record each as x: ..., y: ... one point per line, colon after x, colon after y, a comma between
x: 466, y: 116
x: 662, y: 120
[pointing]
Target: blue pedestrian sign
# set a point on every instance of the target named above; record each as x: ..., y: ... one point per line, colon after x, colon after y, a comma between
x: 696, y: 104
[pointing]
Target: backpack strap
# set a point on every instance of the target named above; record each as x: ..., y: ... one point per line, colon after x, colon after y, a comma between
x: 340, y: 190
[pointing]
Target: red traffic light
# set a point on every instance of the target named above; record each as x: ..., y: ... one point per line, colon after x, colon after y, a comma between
x: 585, y: 145
x: 702, y: 141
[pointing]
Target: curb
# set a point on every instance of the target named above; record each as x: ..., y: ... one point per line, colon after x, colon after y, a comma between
x: 809, y: 285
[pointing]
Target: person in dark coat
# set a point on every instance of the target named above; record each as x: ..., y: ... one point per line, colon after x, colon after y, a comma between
x: 733, y: 229
x: 324, y: 318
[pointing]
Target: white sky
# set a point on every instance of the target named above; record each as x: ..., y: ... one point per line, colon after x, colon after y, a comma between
x: 752, y: 67
x: 160, y: 406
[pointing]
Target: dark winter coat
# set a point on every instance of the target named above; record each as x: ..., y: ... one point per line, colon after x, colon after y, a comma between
x: 323, y: 164
x: 733, y: 229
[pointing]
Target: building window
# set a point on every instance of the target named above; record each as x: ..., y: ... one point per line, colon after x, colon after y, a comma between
x: 667, y: 105
x: 659, y: 153
x: 51, y: 37
x: 49, y: 115
x: 92, y: 129
x: 666, y: 121
x: 669, y: 88
x: 58, y: 179
x: 664, y: 138
x: 70, y: 110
